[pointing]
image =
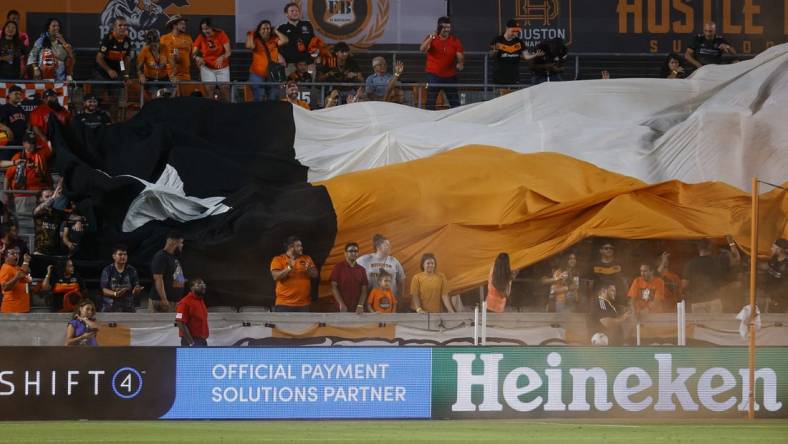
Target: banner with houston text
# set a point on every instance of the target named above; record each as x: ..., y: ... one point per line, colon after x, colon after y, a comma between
x: 625, y: 26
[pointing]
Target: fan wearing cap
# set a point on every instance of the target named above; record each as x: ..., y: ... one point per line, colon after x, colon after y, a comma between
x: 91, y: 116
x: 507, y: 50
x: 13, y: 121
x: 29, y: 170
x: 39, y: 118
x: 179, y: 44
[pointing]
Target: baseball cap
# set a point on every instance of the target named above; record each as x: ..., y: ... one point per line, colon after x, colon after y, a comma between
x: 90, y: 97
x: 50, y: 93
x: 15, y: 88
x: 30, y: 137
x: 512, y: 23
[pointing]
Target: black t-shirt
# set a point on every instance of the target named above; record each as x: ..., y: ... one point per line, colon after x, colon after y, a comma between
x: 47, y: 230
x: 16, y: 118
x: 168, y: 266
x: 114, y: 51
x: 708, y: 52
x: 705, y: 275
x: 31, y: 103
x: 297, y: 48
x: 95, y: 119
x: 555, y: 53
x: 614, y: 272
x: 507, y: 57
x: 17, y: 52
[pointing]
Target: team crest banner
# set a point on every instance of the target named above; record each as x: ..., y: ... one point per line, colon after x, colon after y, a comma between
x: 361, y: 23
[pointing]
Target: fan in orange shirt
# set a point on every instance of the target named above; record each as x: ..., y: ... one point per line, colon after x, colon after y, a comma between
x: 382, y: 299
x: 14, y: 280
x: 647, y: 291
x: 293, y: 273
x: 154, y: 62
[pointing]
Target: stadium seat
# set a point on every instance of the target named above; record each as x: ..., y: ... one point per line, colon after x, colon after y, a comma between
x: 222, y: 309
x: 253, y: 309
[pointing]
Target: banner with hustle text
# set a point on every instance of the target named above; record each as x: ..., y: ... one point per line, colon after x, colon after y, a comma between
x: 624, y: 26
x: 644, y: 382
x: 361, y: 23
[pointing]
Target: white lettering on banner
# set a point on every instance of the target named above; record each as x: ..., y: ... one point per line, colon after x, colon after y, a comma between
x: 580, y: 377
x: 669, y: 386
x: 488, y: 379
x: 622, y: 391
x: 629, y: 388
x: 769, y: 383
x: 554, y: 403
x: 306, y: 372
x: 7, y: 383
x: 96, y: 374
x: 71, y: 382
x: 512, y: 393
x: 707, y: 392
x: 36, y: 383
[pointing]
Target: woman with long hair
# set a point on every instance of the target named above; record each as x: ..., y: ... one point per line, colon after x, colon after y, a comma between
x: 52, y: 58
x: 212, y: 53
x: 673, y: 67
x: 268, y: 65
x: 12, y: 53
x: 499, y: 284
x: 82, y: 328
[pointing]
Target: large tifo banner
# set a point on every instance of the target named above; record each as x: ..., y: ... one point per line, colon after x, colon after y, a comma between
x: 361, y: 23
x: 628, y: 26
x: 383, y: 383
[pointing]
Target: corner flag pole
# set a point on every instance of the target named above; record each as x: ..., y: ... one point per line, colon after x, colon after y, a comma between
x: 753, y: 281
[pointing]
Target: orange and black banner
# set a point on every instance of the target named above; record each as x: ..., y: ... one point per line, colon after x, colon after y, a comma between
x: 85, y: 22
x: 624, y: 26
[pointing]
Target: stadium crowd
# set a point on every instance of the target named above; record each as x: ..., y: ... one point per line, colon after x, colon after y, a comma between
x: 595, y: 277
x: 291, y: 52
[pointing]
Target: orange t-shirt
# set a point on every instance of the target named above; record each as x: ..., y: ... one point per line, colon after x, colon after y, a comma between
x: 672, y: 289
x: 260, y: 60
x: 294, y: 290
x: 17, y: 299
x: 496, y: 301
x: 36, y: 169
x: 156, y: 67
x: 644, y: 293
x: 212, y: 48
x: 382, y: 301
x: 180, y: 48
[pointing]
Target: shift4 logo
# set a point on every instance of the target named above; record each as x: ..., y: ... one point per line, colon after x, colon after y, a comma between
x: 126, y: 382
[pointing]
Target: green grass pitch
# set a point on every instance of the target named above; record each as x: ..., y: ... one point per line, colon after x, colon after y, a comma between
x: 400, y: 432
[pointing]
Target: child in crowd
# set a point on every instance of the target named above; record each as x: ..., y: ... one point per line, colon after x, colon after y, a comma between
x: 382, y: 299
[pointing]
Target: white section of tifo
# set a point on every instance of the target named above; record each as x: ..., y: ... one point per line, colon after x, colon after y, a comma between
x: 167, y: 199
x: 725, y: 123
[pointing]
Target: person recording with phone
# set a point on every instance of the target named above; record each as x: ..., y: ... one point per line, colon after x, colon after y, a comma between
x: 83, y: 328
x: 445, y: 56
x: 52, y: 58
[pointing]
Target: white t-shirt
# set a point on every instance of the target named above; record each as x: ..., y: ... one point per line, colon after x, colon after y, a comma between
x: 372, y: 263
